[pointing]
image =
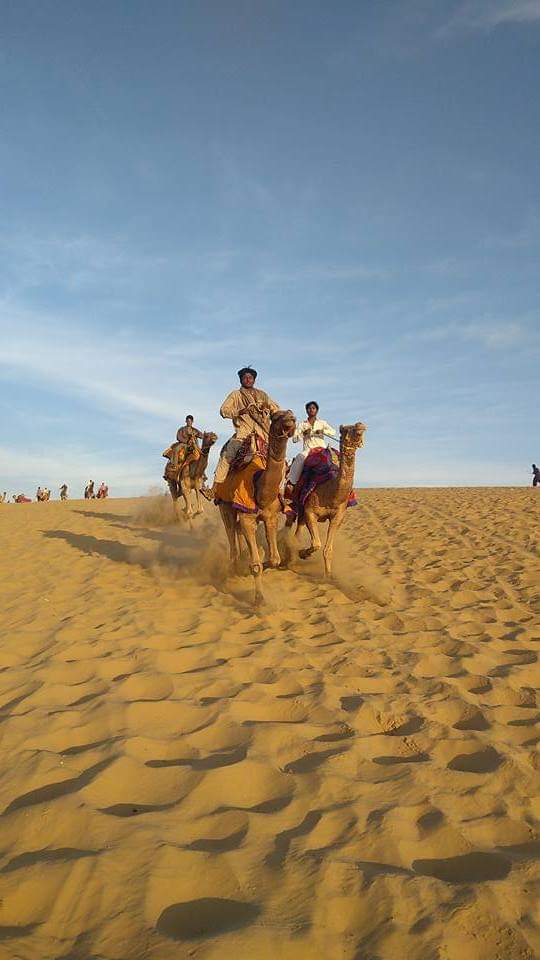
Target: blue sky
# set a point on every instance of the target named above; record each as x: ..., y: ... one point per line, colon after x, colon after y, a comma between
x: 344, y: 195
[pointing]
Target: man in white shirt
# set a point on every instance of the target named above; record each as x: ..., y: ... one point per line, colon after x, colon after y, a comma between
x: 312, y: 432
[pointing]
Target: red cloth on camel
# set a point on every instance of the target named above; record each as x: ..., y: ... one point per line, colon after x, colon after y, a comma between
x: 320, y: 465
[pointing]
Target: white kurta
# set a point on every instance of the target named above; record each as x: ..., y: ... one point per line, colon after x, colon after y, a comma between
x: 313, y: 436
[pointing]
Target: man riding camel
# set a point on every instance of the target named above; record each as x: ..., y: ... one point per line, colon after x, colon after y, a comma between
x: 249, y: 409
x: 189, y: 434
x: 186, y: 449
x: 312, y: 432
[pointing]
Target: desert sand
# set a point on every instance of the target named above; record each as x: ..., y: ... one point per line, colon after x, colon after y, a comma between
x: 348, y: 773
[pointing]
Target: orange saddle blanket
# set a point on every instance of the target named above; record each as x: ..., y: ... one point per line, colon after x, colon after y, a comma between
x: 238, y: 488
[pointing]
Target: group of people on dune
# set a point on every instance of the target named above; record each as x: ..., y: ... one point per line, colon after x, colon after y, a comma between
x: 43, y: 494
x: 89, y: 492
x: 250, y: 410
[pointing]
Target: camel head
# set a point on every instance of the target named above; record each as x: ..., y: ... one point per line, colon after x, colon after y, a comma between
x: 209, y: 439
x: 283, y: 423
x: 352, y: 435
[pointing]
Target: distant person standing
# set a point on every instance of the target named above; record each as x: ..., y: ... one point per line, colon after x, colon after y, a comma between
x: 64, y: 491
x: 536, y: 475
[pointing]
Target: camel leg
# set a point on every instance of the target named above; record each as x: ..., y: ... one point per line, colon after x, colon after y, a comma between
x: 328, y: 551
x: 173, y: 490
x: 186, y: 493
x: 291, y: 540
x: 248, y: 526
x: 198, y: 499
x: 270, y: 526
x: 229, y: 522
x: 311, y: 524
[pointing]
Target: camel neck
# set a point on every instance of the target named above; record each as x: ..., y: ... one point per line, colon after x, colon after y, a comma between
x: 270, y: 480
x: 346, y: 469
x: 200, y: 465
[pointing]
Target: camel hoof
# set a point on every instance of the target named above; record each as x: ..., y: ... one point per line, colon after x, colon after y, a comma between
x: 304, y: 554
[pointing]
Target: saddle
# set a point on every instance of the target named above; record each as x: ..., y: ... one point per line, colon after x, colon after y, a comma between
x: 179, y: 456
x: 252, y: 446
x: 320, y: 465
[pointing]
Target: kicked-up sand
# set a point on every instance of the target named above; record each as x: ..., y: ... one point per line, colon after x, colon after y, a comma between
x: 349, y: 773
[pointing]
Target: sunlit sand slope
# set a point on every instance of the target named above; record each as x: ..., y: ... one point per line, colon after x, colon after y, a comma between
x: 349, y: 773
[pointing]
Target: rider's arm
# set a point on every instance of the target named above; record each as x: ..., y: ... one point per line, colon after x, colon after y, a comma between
x: 299, y: 432
x: 328, y: 430
x: 231, y: 405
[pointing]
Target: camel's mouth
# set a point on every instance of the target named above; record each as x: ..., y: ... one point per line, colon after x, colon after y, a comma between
x: 286, y: 420
x: 353, y: 434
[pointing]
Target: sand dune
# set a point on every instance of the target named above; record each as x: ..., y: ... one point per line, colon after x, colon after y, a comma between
x: 349, y: 773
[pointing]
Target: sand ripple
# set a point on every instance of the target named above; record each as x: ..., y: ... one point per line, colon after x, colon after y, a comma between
x: 351, y: 772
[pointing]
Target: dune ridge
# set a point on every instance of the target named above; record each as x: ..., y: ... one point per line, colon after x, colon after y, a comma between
x: 350, y: 772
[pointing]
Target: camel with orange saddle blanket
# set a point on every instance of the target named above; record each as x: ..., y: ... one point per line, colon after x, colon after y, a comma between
x: 185, y: 471
x: 251, y: 495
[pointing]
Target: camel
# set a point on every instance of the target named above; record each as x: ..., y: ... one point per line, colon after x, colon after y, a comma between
x: 283, y: 424
x: 191, y: 478
x: 329, y: 500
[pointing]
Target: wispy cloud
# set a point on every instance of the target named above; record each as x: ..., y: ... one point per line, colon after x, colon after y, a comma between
x: 323, y: 273
x: 527, y: 234
x: 51, y: 465
x: 487, y: 14
x: 119, y: 372
x: 493, y: 334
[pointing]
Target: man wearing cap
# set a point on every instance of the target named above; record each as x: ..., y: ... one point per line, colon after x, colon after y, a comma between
x: 249, y: 409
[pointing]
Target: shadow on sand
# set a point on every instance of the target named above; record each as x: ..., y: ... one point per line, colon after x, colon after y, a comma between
x: 98, y: 515
x: 174, y: 549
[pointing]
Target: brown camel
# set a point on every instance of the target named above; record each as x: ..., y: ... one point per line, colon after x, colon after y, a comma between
x: 329, y: 500
x: 283, y: 424
x: 191, y: 477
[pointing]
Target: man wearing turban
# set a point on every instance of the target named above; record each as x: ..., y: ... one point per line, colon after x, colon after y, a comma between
x: 249, y: 409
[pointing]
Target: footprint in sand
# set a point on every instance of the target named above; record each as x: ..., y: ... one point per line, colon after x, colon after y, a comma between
x: 194, y: 894
x: 208, y: 917
x: 244, y: 786
x: 484, y: 760
x: 218, y: 833
x: 310, y: 761
x: 467, y: 868
x: 166, y: 718
x: 144, y: 686
x: 128, y: 788
x: 55, y: 780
